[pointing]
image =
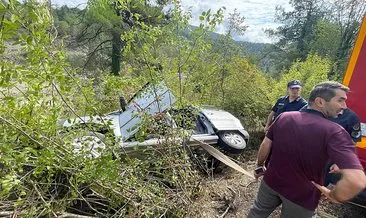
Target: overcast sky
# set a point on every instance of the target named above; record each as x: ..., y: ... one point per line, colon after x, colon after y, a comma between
x: 259, y: 14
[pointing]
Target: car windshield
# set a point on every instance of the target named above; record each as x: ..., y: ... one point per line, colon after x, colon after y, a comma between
x: 153, y: 99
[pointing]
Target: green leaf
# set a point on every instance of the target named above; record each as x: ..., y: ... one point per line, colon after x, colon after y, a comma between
x: 10, y: 25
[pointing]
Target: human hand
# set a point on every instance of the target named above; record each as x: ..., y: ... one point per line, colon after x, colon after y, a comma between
x: 265, y: 129
x: 258, y: 172
x: 325, y: 191
x: 258, y: 175
x: 334, y: 169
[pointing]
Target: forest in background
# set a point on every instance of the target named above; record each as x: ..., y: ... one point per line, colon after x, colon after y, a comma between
x: 68, y: 62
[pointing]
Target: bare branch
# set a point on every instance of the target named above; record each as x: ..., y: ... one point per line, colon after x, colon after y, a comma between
x: 71, y: 215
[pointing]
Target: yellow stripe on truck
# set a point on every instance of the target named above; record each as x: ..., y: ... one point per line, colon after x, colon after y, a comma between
x: 355, y: 53
x: 362, y: 143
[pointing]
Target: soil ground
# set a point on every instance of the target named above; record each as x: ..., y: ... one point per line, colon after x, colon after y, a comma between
x: 230, y: 194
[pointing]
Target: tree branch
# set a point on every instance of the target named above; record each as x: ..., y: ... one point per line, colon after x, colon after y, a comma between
x: 91, y: 54
x: 20, y: 130
x: 72, y: 215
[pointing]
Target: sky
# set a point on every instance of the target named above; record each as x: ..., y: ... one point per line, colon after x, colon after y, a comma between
x: 259, y: 14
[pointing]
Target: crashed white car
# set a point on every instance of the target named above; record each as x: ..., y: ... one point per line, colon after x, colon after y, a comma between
x: 212, y: 126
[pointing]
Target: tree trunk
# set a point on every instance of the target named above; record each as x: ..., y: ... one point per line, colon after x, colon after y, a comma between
x: 116, y: 53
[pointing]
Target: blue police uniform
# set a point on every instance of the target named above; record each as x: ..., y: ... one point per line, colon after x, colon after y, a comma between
x: 350, y: 121
x: 283, y: 104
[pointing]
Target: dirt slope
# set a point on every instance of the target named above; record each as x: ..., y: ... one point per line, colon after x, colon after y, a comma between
x: 231, y: 194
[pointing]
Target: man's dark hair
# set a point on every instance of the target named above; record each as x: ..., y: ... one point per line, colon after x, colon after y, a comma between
x: 326, y: 90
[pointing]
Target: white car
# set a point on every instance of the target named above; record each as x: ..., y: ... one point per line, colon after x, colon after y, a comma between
x: 212, y: 126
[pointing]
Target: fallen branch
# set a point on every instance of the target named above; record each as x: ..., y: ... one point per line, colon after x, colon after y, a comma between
x: 164, y: 214
x: 71, y: 215
x: 247, y: 186
x: 6, y: 213
x: 225, y: 212
x: 223, y: 158
x: 40, y: 195
x: 231, y: 204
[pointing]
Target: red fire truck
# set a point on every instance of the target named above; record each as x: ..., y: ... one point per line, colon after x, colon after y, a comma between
x: 355, y: 79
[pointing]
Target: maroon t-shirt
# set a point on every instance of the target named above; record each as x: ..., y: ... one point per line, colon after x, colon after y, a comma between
x: 302, y: 142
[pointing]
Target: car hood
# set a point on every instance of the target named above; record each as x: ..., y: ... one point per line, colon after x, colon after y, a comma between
x: 222, y: 120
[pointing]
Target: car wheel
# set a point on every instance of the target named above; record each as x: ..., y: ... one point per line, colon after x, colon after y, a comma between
x: 231, y: 141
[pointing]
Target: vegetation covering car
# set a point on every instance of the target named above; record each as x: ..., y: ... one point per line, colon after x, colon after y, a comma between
x: 210, y: 125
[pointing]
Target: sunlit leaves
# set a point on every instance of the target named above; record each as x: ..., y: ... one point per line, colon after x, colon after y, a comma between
x: 310, y: 72
x: 210, y: 20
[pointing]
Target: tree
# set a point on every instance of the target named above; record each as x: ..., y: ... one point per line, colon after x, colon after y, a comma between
x: 106, y: 21
x: 323, y: 27
x: 296, y: 33
x: 67, y: 20
x: 310, y: 72
x: 228, y: 49
x: 326, y: 40
x: 348, y: 16
x: 248, y: 93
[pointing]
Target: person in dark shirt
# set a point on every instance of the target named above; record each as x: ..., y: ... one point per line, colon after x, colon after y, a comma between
x: 302, y: 142
x: 292, y: 102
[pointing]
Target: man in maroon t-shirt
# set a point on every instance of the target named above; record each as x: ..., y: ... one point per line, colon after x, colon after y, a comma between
x: 301, y: 143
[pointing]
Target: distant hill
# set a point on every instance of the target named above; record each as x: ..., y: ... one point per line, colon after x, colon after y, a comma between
x: 252, y: 48
x: 257, y: 52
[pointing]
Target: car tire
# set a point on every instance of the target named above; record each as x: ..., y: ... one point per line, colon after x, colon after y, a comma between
x: 231, y: 142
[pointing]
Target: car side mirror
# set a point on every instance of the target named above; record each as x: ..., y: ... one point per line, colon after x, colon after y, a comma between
x: 122, y: 103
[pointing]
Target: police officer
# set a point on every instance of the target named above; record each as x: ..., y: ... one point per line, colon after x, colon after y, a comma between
x: 292, y: 102
x: 350, y: 121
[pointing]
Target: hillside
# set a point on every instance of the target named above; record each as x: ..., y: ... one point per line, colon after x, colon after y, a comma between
x: 250, y: 47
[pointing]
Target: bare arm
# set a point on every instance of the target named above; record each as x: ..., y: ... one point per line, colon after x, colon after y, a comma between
x: 269, y: 120
x: 263, y: 151
x: 353, y: 181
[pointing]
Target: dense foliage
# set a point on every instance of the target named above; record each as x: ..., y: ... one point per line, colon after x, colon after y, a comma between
x: 69, y: 62
x: 40, y: 173
x: 325, y: 27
